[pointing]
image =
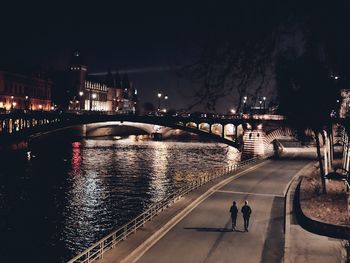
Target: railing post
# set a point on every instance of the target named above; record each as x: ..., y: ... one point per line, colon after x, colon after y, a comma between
x: 101, y: 249
x: 114, y: 240
x: 125, y: 232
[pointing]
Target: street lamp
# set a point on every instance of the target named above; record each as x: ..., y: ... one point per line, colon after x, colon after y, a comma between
x: 166, y: 101
x: 264, y: 99
x: 26, y: 103
x: 81, y: 104
x: 233, y: 111
x: 159, y: 96
x: 244, y: 103
x: 260, y: 102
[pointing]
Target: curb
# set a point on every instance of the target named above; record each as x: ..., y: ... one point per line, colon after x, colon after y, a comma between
x: 315, y: 226
x: 289, y: 207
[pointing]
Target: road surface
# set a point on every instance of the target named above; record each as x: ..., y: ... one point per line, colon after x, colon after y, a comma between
x: 205, y: 235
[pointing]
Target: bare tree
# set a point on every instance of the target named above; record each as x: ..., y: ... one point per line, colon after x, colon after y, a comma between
x: 260, y: 39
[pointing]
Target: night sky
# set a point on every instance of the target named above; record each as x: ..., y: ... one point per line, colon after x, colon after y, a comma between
x: 151, y: 40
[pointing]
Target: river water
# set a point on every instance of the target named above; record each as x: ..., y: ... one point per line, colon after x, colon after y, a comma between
x: 65, y: 192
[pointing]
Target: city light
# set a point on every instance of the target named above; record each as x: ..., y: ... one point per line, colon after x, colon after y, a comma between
x: 94, y: 95
x: 159, y: 96
x: 81, y: 93
x: 233, y: 111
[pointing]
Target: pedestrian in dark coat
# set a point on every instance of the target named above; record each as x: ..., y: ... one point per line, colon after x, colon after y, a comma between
x: 246, y: 211
x: 234, y: 212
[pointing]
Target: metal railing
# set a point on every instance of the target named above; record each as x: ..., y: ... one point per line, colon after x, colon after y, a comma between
x: 97, y: 250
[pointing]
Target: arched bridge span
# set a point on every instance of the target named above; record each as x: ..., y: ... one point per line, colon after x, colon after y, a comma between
x: 227, y: 130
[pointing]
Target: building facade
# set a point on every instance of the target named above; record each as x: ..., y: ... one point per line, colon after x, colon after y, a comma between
x: 112, y: 94
x: 23, y: 92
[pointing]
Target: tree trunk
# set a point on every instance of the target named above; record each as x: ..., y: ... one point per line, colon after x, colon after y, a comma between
x: 319, y: 157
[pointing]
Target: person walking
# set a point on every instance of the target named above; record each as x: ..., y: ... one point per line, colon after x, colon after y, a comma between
x: 246, y: 211
x: 234, y: 212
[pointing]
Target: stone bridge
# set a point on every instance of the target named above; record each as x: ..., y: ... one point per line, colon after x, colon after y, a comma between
x: 252, y: 134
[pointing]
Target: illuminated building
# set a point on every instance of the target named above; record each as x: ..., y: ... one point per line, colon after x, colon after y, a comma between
x: 92, y: 93
x: 24, y: 92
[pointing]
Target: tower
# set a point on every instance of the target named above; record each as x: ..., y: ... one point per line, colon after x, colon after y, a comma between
x: 78, y: 72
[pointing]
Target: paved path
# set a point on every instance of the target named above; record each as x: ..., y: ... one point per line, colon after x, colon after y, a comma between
x: 204, y: 235
x: 313, y: 248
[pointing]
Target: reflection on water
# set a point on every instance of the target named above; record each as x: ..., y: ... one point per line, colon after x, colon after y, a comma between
x: 62, y: 196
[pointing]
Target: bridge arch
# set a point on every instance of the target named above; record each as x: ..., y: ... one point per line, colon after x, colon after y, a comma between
x: 216, y: 128
x: 204, y: 126
x: 191, y: 125
x: 229, y: 131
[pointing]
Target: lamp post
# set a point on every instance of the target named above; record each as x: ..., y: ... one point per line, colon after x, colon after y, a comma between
x: 244, y: 103
x: 260, y: 102
x: 27, y: 104
x: 12, y: 102
x: 81, y: 102
x: 159, y: 96
x: 264, y: 99
x: 166, y: 102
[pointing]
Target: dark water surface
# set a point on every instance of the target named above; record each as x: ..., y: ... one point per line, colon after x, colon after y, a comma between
x: 64, y: 192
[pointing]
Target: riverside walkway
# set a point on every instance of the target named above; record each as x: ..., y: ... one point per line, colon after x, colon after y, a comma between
x: 202, y: 231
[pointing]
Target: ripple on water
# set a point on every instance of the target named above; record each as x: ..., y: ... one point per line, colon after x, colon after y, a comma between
x: 92, y: 187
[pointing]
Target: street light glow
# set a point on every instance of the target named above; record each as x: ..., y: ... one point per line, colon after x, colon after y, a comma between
x: 94, y: 95
x: 81, y: 93
x: 159, y: 95
x: 166, y: 97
